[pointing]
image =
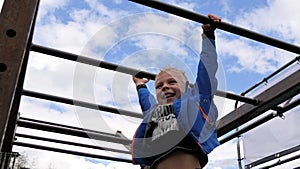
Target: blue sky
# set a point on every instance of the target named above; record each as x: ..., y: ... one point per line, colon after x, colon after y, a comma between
x: 130, y: 34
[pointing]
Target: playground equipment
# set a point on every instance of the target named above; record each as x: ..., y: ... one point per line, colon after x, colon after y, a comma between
x: 17, y: 26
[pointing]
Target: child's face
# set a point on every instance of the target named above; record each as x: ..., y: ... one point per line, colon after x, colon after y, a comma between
x: 167, y: 88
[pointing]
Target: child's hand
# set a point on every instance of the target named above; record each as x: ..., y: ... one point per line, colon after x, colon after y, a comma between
x: 208, y: 29
x: 139, y: 81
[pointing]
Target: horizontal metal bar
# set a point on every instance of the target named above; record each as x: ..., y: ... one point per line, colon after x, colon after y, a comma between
x: 70, y: 127
x: 73, y: 132
x: 71, y: 143
x: 291, y: 105
x: 248, y: 128
x: 265, y: 80
x: 172, y: 9
x: 273, y: 156
x: 71, y: 152
x: 279, y: 162
x: 237, y: 97
x: 122, y: 69
x: 91, y: 61
x: 270, y: 98
x: 261, y: 121
x: 81, y: 104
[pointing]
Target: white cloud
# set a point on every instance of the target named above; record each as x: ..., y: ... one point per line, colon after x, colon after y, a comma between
x: 48, y: 111
x: 225, y: 6
x: 277, y: 20
x: 165, y: 25
x: 58, y: 113
x: 185, y: 5
x: 251, y: 58
x: 48, y: 7
x: 68, y: 37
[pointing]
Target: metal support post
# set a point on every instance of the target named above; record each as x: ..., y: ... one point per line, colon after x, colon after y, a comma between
x: 17, y: 20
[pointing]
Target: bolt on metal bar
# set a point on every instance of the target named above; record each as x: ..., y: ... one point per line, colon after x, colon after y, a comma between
x: 71, y: 143
x: 172, y: 9
x: 122, y: 69
x: 71, y: 152
x: 81, y: 104
x: 73, y: 132
x: 66, y: 126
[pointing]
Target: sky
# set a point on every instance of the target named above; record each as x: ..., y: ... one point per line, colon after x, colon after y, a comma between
x: 132, y: 35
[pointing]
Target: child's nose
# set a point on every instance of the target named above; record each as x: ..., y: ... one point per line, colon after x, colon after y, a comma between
x: 165, y: 87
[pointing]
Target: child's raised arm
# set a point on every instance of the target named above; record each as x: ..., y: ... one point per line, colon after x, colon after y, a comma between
x: 206, y: 80
x: 146, y: 99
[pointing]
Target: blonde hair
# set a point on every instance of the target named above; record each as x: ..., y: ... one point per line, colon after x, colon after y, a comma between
x: 179, y: 74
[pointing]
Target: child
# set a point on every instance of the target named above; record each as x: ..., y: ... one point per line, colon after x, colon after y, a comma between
x: 178, y: 130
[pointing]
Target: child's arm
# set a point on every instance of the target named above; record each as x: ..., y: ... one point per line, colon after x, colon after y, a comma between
x: 146, y: 99
x: 207, y: 68
x: 206, y: 113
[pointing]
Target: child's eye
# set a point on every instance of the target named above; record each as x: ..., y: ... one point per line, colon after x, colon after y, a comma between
x: 172, y: 81
x: 158, y: 86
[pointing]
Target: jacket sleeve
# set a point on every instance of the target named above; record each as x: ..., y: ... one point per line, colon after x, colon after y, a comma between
x: 195, y: 111
x: 206, y: 82
x: 146, y: 99
x: 207, y: 68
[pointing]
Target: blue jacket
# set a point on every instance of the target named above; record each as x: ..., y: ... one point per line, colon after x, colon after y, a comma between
x: 195, y: 110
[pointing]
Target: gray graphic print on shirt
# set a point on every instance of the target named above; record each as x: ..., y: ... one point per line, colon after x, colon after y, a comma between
x: 165, y: 119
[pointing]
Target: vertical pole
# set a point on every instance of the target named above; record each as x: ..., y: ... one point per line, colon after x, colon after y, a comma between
x: 15, y: 155
x: 239, y: 152
x: 16, y: 28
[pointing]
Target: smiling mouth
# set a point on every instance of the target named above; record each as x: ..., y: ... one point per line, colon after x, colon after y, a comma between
x: 168, y: 95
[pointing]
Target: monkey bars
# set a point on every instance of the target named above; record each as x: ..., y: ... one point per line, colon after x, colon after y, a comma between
x: 17, y: 26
